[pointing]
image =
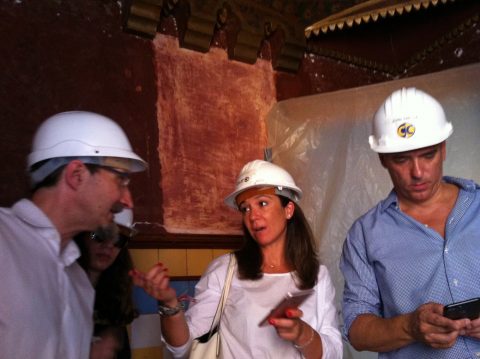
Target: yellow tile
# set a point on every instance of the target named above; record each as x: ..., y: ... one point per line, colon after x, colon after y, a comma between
x: 219, y: 252
x: 144, y: 259
x: 198, y: 260
x: 148, y: 353
x: 175, y: 260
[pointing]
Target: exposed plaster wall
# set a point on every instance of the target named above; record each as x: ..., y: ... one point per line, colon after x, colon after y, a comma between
x: 210, y: 113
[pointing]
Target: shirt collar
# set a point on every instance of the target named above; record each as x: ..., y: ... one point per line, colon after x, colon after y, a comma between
x: 29, y: 213
x: 464, y: 184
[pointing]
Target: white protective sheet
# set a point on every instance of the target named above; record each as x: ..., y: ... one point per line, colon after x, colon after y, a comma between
x: 322, y: 140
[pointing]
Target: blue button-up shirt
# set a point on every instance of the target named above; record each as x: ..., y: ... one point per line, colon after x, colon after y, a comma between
x: 392, y: 264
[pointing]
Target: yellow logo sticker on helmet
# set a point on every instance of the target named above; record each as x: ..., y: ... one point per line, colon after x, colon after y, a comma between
x: 406, y: 130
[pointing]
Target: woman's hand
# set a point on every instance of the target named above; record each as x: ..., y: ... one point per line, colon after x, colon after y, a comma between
x: 291, y: 328
x: 156, y: 283
x: 299, y: 333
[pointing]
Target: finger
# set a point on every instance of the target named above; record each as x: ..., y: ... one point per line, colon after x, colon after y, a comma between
x: 437, y: 340
x: 475, y: 323
x: 284, y: 323
x: 138, y: 277
x: 434, y: 308
x: 293, y: 313
x: 152, y: 287
x: 160, y: 280
x: 288, y: 329
x: 431, y: 319
x: 472, y: 329
x: 155, y: 271
x: 449, y: 325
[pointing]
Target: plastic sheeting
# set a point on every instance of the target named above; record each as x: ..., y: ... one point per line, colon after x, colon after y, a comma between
x: 322, y: 140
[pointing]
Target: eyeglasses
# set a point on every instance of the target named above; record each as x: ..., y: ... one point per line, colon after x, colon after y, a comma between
x: 124, y: 177
x: 120, y: 241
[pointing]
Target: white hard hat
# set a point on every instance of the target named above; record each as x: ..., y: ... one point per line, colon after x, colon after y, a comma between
x: 409, y: 119
x: 88, y: 136
x: 264, y: 174
x: 124, y: 220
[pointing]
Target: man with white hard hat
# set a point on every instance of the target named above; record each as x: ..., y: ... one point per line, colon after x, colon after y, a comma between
x: 79, y: 168
x: 417, y: 250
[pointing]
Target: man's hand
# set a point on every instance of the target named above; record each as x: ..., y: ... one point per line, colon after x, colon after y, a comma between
x: 473, y: 329
x: 428, y: 325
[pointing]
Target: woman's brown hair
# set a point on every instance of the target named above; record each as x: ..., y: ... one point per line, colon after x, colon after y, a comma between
x: 301, y: 251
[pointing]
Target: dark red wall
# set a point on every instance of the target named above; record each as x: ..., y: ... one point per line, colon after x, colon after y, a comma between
x: 73, y: 55
x: 70, y: 55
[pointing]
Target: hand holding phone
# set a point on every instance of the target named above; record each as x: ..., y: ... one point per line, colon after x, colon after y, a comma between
x: 469, y: 308
x: 291, y: 300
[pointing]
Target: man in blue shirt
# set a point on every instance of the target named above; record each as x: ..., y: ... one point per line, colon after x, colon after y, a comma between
x: 418, y: 249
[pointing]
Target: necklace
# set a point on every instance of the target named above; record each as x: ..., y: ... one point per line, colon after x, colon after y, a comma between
x: 275, y: 268
x: 271, y: 266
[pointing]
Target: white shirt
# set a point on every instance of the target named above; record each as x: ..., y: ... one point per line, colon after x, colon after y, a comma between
x: 46, y: 299
x: 248, y: 303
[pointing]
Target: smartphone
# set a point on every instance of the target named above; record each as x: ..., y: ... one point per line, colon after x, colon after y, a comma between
x: 469, y: 308
x: 291, y: 300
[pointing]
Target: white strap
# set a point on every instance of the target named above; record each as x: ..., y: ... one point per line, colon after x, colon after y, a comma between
x: 226, y: 289
x: 222, y: 302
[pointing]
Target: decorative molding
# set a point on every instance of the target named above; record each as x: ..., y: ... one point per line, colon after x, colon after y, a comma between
x: 402, y: 68
x: 144, y: 16
x: 351, y: 59
x: 200, y: 26
x: 244, y: 21
x: 164, y: 240
x: 367, y: 11
x: 289, y: 56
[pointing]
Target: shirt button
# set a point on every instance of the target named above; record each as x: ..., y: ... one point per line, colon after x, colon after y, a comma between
x: 446, y: 250
x: 455, y: 282
x: 477, y: 354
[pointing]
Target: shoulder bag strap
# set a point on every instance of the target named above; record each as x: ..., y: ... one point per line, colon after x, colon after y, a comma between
x: 226, y: 289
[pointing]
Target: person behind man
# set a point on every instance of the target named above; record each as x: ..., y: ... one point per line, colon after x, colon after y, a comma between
x: 418, y: 249
x: 79, y: 168
x: 107, y: 262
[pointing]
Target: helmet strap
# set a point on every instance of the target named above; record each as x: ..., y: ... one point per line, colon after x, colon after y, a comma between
x: 255, y: 191
x: 51, y: 165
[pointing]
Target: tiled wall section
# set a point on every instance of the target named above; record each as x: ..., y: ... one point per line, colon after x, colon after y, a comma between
x: 145, y: 330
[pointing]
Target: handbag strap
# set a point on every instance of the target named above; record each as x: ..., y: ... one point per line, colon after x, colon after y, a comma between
x: 226, y: 289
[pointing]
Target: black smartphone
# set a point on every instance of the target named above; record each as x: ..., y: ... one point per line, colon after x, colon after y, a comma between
x: 469, y: 308
x: 291, y: 300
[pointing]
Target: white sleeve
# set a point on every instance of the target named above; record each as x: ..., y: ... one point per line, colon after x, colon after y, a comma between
x: 202, y: 309
x: 328, y: 318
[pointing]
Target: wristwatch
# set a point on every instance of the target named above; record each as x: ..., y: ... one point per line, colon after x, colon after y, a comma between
x: 165, y: 311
